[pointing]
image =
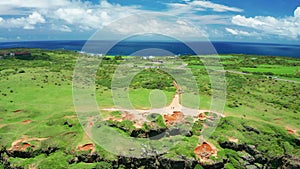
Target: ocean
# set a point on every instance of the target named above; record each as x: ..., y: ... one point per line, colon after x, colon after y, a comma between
x: 175, y: 48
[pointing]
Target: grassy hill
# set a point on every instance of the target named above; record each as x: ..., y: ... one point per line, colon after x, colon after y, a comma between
x: 39, y: 126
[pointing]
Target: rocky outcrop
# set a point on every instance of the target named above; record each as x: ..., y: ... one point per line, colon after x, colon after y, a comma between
x: 86, y: 158
x: 248, y: 157
x: 252, y: 158
x: 5, y: 154
x: 290, y: 162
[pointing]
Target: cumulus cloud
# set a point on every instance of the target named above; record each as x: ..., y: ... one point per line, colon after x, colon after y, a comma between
x: 90, y: 17
x: 285, y: 27
x: 77, y: 14
x: 28, y: 22
x: 297, y: 12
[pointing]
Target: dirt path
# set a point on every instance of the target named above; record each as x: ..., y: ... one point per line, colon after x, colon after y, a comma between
x: 140, y: 116
x: 175, y: 105
x: 172, y: 114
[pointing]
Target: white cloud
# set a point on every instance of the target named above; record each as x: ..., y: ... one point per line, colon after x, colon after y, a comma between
x: 192, y: 6
x: 67, y: 15
x: 238, y: 32
x: 76, y: 14
x: 214, y: 6
x: 284, y: 27
x: 35, y: 18
x: 44, y: 4
x: 28, y: 22
x: 3, y: 38
x: 190, y: 11
x: 62, y: 28
x: 297, y: 12
x: 90, y: 17
x: 155, y: 24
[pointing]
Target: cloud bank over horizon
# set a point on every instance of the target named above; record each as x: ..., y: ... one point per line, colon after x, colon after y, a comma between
x: 71, y: 19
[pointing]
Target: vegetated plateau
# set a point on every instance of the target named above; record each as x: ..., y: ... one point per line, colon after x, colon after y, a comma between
x: 40, y: 129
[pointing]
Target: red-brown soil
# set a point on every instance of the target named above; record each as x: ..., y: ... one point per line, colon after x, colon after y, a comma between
x: 125, y: 116
x: 291, y: 131
x: 204, y: 151
x: 86, y: 147
x: 22, y: 143
x: 21, y: 146
x: 177, y: 116
x: 26, y: 121
x: 202, y: 116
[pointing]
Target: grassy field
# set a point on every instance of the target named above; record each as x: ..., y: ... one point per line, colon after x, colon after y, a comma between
x: 275, y: 69
x: 36, y: 106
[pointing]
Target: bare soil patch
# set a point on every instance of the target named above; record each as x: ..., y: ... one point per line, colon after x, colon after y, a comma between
x: 22, y: 143
x: 71, y: 116
x: 204, y: 151
x: 125, y: 116
x: 26, y: 121
x: 202, y: 116
x: 177, y: 116
x: 291, y: 131
x: 22, y: 146
x: 86, y: 147
x: 232, y: 139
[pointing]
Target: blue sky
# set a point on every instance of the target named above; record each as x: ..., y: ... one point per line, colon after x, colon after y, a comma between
x: 272, y: 21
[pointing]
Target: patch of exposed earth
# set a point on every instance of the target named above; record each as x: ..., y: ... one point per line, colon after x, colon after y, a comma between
x: 172, y: 114
x: 22, y: 144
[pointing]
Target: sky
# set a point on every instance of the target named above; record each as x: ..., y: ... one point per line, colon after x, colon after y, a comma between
x: 266, y: 21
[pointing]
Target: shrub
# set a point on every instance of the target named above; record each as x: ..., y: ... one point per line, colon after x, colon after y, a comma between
x: 103, y: 165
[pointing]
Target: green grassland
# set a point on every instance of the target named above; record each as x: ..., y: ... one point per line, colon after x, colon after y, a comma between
x: 259, y: 110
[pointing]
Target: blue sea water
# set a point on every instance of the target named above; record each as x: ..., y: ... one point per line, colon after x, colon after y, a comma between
x: 176, y: 48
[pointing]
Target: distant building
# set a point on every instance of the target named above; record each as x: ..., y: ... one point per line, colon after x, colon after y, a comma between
x: 155, y: 61
x: 4, y: 55
x: 20, y: 54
